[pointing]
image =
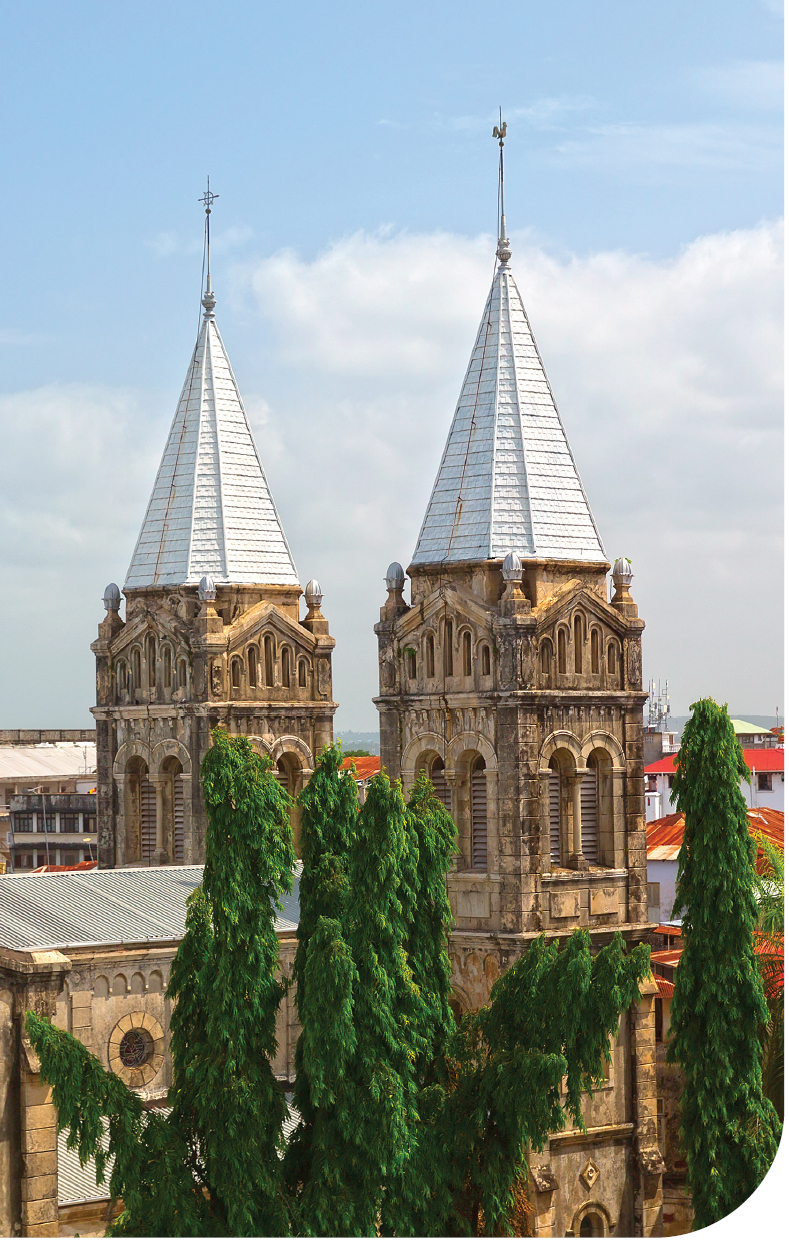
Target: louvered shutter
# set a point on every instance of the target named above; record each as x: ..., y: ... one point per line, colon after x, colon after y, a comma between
x: 479, y: 821
x: 282, y: 778
x: 589, y: 817
x: 147, y: 820
x: 178, y: 819
x: 555, y: 818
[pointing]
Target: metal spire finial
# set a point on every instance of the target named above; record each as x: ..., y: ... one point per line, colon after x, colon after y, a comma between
x: 207, y: 198
x: 503, y: 252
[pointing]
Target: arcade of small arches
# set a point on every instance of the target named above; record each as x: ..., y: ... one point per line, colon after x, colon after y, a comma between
x: 155, y: 666
x: 154, y: 789
x: 449, y: 650
x: 582, y: 812
x: 579, y: 647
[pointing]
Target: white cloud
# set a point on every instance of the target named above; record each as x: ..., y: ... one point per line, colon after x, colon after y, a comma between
x: 757, y: 84
x: 667, y: 375
x: 668, y: 378
x: 710, y: 145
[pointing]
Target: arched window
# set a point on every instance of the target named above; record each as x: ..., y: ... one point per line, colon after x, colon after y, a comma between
x: 589, y: 832
x: 252, y: 667
x: 595, y: 650
x: 578, y: 647
x: 410, y: 663
x: 167, y: 667
x: 467, y: 654
x: 479, y: 816
x: 545, y: 656
x: 430, y: 655
x: 486, y: 661
x: 182, y: 674
x: 612, y: 657
x: 121, y: 677
x: 555, y: 813
x: 285, y: 657
x: 302, y: 674
x: 448, y: 660
x: 268, y: 659
x: 235, y: 674
x: 136, y: 668
x: 150, y: 658
x: 562, y: 642
x: 439, y: 780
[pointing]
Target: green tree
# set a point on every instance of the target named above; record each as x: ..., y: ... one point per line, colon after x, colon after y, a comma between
x: 728, y: 1130
x: 770, y: 925
x: 212, y: 1166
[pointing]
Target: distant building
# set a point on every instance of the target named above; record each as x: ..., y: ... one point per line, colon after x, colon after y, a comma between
x: 764, y: 789
x: 53, y: 763
x: 54, y: 830
x: 364, y: 767
x: 664, y: 838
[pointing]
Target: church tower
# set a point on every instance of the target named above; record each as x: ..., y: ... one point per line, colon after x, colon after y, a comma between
x: 514, y: 681
x: 212, y: 633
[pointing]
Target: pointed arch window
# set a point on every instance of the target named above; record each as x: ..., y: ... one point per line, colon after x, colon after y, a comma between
x: 182, y: 674
x: 562, y: 650
x: 136, y: 663
x: 235, y: 674
x: 285, y: 656
x: 150, y: 659
x: 410, y: 663
x: 167, y: 667
x: 268, y: 659
x: 486, y: 661
x: 611, y: 657
x: 252, y: 667
x: 467, y: 654
x: 578, y: 644
x: 448, y: 659
x: 430, y: 655
x: 122, y: 677
x: 545, y: 656
x: 302, y: 674
x: 595, y: 651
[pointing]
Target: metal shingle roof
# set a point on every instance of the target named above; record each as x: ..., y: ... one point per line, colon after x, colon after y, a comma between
x: 507, y: 480
x: 211, y: 511
x: 75, y: 908
x: 50, y: 758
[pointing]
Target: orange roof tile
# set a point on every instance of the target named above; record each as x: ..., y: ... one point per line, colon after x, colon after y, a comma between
x: 767, y: 758
x: 664, y: 836
x: 664, y: 987
x: 48, y: 869
x: 365, y: 768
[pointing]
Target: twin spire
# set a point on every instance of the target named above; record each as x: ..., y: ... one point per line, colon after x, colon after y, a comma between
x: 507, y: 480
x: 211, y: 512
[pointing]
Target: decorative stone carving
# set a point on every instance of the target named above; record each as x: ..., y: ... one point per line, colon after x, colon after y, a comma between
x: 634, y: 663
x: 590, y: 1173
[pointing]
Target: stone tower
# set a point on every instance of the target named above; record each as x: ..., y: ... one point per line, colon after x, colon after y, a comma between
x: 212, y: 633
x: 515, y: 682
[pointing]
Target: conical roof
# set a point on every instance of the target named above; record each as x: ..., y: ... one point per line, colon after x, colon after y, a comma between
x: 507, y: 480
x: 210, y: 511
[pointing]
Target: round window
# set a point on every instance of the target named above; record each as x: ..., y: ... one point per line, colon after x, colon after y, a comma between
x: 136, y: 1048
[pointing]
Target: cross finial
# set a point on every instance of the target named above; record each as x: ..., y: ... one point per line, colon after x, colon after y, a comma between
x: 207, y: 199
x: 503, y: 252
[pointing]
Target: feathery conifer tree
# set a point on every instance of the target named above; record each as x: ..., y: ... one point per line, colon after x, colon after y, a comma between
x: 728, y: 1130
x: 212, y: 1166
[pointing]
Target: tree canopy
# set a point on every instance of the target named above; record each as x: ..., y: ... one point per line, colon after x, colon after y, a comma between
x: 408, y: 1122
x: 728, y: 1130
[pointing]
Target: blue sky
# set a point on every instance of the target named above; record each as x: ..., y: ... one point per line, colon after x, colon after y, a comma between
x: 350, y: 146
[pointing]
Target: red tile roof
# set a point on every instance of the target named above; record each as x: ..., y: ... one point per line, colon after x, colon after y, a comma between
x: 365, y: 767
x: 47, y: 870
x: 667, y: 956
x: 664, y: 987
x: 664, y: 836
x: 768, y: 758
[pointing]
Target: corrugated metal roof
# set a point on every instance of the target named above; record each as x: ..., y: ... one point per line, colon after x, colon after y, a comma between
x: 664, y: 836
x: 76, y: 908
x: 766, y: 758
x: 507, y: 480
x: 78, y: 1184
x: 211, y: 512
x: 50, y: 759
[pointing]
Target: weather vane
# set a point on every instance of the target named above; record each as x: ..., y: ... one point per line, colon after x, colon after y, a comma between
x: 207, y: 199
x: 503, y: 252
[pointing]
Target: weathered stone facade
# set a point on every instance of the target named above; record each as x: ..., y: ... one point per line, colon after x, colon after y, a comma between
x: 180, y: 665
x: 522, y: 699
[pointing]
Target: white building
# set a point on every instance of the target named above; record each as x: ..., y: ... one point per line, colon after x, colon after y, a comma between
x: 765, y: 788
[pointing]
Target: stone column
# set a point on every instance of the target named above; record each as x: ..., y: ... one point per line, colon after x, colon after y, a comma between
x: 648, y: 1187
x: 160, y: 855
x: 577, y: 861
